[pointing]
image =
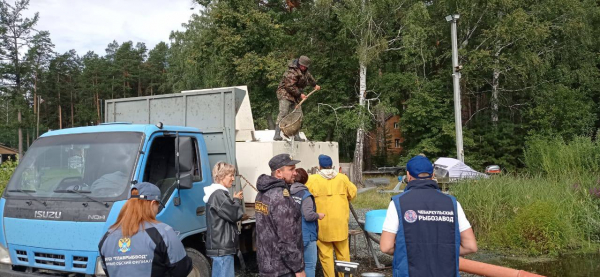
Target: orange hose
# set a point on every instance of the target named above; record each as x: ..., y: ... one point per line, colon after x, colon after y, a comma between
x: 484, y: 269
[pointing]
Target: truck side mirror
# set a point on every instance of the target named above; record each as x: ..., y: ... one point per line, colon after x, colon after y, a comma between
x: 185, y: 160
x: 186, y: 180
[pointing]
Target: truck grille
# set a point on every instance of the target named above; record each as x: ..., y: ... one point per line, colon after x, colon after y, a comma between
x: 80, y: 262
x: 49, y: 259
x: 22, y: 256
x: 53, y: 261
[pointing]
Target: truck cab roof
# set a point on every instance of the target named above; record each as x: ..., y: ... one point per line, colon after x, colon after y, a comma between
x: 120, y: 127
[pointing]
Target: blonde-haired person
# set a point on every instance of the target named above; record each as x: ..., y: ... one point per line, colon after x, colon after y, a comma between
x: 139, y: 245
x: 221, y: 220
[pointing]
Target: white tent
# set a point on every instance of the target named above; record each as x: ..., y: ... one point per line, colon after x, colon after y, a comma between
x: 455, y: 169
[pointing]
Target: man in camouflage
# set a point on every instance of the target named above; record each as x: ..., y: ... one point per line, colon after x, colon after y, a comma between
x: 289, y: 92
x: 278, y: 222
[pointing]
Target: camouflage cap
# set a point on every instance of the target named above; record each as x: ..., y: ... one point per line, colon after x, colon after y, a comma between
x: 280, y: 161
x: 304, y: 60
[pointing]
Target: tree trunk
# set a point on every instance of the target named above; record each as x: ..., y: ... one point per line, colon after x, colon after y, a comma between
x: 72, y: 112
x: 37, y: 125
x: 36, y: 107
x: 359, y: 148
x: 35, y: 100
x: 97, y: 100
x: 20, y: 136
x: 59, y: 117
x: 381, y: 134
x: 140, y: 86
x: 495, y: 81
x: 59, y: 107
x: 330, y: 134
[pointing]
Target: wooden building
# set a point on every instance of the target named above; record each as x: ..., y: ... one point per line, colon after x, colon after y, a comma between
x: 7, y: 153
x: 386, y: 137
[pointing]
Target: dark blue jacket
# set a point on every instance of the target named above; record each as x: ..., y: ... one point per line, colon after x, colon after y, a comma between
x: 155, y: 250
x: 428, y: 238
x: 310, y: 229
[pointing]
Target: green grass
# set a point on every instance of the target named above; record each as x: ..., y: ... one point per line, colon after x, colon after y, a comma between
x: 373, y: 199
x: 551, y: 208
x: 532, y: 214
x: 557, y: 157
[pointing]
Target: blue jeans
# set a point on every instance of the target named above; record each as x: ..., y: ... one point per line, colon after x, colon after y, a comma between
x: 310, y: 258
x: 223, y: 266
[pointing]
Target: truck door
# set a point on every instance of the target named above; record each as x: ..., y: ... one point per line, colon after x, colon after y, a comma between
x: 160, y: 169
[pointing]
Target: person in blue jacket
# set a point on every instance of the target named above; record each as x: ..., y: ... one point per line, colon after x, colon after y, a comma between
x: 139, y: 245
x: 425, y: 229
x: 310, y: 217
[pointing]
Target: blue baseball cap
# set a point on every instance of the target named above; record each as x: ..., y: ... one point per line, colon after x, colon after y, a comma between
x: 147, y: 191
x: 418, y: 165
x: 325, y: 161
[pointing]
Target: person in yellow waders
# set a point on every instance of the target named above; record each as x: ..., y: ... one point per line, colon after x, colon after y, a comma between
x: 332, y: 192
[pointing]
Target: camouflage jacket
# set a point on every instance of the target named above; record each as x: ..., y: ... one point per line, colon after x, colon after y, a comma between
x: 278, y: 229
x: 294, y: 81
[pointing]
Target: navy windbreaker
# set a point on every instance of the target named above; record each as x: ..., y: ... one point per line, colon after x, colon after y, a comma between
x: 154, y: 251
x: 428, y: 238
x: 310, y: 229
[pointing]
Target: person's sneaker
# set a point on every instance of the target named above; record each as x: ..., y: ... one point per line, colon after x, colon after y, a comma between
x: 297, y: 138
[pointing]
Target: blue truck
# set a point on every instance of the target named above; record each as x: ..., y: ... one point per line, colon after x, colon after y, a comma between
x: 70, y: 186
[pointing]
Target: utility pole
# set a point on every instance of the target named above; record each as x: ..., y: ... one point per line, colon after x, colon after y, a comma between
x: 460, y: 153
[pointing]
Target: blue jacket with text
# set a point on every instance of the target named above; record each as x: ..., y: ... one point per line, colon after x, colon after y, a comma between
x: 428, y: 238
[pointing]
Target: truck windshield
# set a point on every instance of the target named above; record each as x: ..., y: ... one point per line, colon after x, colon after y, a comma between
x: 77, y: 167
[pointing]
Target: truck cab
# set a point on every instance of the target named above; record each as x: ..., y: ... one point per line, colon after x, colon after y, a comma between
x: 72, y: 183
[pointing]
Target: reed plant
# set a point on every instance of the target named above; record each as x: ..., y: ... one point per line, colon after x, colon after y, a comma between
x: 550, y: 208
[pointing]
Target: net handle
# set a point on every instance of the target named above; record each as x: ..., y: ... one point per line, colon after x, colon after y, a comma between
x: 297, y: 106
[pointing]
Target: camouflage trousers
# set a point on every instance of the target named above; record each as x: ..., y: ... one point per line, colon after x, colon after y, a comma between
x: 285, y: 108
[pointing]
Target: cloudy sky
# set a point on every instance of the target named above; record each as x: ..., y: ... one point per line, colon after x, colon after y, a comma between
x: 86, y: 25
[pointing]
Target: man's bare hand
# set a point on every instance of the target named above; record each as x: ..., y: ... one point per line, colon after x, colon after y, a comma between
x: 321, y: 216
x: 303, y: 96
x: 239, y: 195
x: 317, y: 87
x: 301, y: 274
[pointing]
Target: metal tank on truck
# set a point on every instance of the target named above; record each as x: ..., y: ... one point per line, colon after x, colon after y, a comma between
x: 70, y: 186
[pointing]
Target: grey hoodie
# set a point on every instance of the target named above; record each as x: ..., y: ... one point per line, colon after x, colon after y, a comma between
x: 308, y: 212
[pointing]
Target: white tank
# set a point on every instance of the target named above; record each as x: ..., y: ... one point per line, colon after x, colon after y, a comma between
x: 253, y: 157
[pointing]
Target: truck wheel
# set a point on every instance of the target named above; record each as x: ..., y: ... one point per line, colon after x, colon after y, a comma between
x: 201, y: 266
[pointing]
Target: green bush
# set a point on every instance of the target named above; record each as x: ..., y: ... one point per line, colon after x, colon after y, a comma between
x: 540, y: 228
x: 6, y: 170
